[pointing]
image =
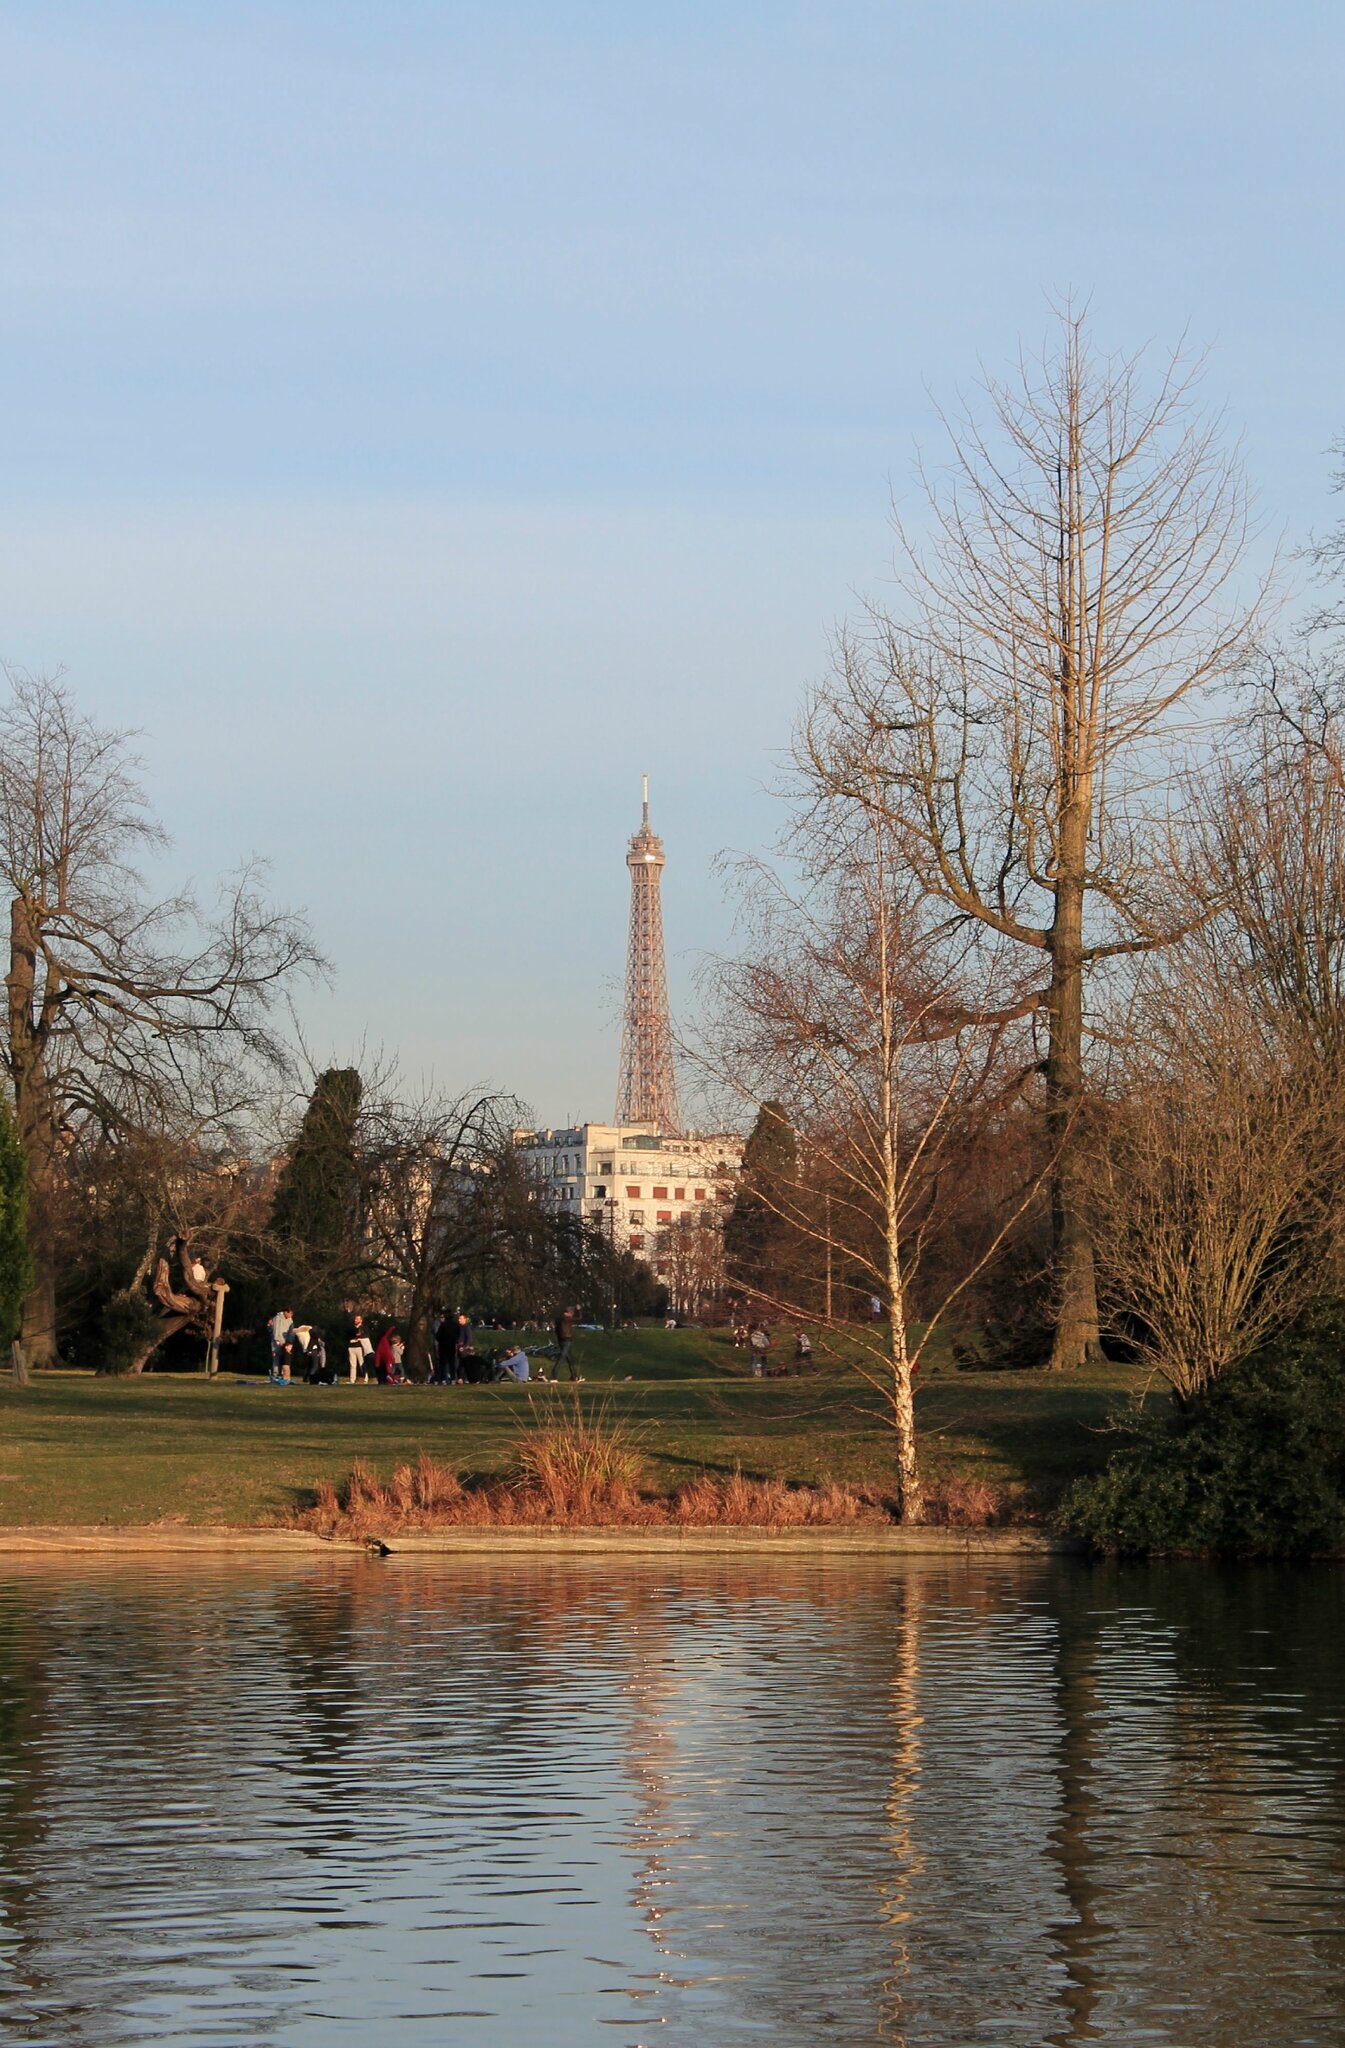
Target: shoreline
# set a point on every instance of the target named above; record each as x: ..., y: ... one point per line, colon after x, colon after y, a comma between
x: 169, y: 1540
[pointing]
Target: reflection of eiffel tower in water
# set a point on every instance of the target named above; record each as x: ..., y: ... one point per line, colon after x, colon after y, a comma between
x: 647, y: 1089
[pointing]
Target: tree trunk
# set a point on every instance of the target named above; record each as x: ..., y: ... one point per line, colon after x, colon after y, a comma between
x: 1076, y: 1329
x: 417, y: 1363
x: 910, y: 1498
x: 170, y: 1328
x: 37, y: 1133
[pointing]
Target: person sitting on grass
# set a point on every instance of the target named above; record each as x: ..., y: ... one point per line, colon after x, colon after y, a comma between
x: 514, y: 1365
x: 320, y: 1372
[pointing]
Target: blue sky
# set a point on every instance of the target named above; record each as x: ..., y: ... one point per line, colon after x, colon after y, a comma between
x: 421, y: 419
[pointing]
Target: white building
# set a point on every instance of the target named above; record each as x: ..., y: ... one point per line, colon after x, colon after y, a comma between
x: 631, y: 1178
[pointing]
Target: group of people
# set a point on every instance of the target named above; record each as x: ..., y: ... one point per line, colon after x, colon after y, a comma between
x: 299, y: 1351
x: 756, y: 1338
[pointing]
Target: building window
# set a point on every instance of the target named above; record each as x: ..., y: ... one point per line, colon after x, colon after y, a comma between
x: 600, y: 1192
x: 636, y: 1243
x: 700, y: 1194
x: 665, y: 1216
x: 660, y: 1194
x: 679, y: 1194
x: 723, y: 1195
x: 632, y: 1194
x: 636, y: 1216
x: 607, y: 1168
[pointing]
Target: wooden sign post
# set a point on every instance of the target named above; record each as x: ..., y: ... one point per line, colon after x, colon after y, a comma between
x: 221, y: 1288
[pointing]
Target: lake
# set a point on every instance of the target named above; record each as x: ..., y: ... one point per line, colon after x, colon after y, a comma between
x: 701, y: 1800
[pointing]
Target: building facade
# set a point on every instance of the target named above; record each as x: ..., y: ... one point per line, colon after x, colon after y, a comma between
x: 633, y: 1179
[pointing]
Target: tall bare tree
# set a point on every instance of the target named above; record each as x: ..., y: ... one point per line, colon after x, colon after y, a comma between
x: 123, y: 1010
x: 1079, y: 591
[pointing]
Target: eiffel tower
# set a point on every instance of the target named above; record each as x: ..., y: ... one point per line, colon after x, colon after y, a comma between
x: 647, y: 1089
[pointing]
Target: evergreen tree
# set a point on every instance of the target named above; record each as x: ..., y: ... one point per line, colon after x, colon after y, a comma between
x: 16, y: 1266
x: 755, y: 1234
x: 314, y: 1211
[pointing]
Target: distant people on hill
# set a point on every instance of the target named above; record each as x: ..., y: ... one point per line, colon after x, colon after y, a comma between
x: 803, y: 1349
x: 759, y: 1338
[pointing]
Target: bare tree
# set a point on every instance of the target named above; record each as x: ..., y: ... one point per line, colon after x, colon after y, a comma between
x: 1214, y: 1200
x: 443, y: 1189
x: 131, y: 1013
x: 1079, y: 591
x: 1270, y: 857
x: 856, y: 1012
x: 689, y: 1259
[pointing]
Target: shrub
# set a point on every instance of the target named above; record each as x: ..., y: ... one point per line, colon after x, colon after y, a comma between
x: 1252, y: 1467
x: 575, y: 1462
x: 127, y: 1328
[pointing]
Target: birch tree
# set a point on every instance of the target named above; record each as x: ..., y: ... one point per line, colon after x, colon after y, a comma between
x: 855, y: 1013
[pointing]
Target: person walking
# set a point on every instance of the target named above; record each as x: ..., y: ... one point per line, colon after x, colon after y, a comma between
x: 760, y: 1341
x: 564, y: 1327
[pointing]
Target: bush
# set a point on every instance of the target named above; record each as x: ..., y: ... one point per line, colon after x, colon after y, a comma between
x: 127, y: 1327
x: 1252, y: 1467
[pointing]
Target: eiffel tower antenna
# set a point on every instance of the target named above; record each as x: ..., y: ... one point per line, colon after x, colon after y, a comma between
x: 647, y: 1089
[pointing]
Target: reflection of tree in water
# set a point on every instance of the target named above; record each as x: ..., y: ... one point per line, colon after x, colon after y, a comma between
x: 903, y: 1835
x: 758, y: 1741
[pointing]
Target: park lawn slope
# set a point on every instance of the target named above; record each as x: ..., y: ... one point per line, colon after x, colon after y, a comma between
x: 84, y: 1451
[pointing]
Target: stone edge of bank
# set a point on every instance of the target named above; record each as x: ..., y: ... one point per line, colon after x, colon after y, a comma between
x: 176, y: 1540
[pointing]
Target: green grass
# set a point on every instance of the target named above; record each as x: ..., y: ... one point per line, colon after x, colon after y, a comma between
x: 173, y: 1448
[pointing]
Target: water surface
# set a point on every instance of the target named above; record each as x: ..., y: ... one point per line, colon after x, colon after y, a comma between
x: 701, y: 1801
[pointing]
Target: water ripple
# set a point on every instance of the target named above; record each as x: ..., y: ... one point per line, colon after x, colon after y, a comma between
x: 701, y: 1802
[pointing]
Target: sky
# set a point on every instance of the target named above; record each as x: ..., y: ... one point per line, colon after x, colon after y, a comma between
x: 420, y: 420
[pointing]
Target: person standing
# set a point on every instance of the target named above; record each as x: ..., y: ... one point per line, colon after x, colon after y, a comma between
x: 463, y: 1348
x: 279, y: 1327
x: 760, y: 1341
x: 445, y: 1349
x: 359, y: 1349
x: 564, y: 1327
x: 388, y: 1358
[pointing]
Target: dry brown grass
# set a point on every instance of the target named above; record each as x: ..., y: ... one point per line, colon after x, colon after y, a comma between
x: 959, y: 1502
x: 555, y: 1486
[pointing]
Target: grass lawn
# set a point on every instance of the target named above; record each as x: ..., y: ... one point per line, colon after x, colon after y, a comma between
x: 77, y: 1449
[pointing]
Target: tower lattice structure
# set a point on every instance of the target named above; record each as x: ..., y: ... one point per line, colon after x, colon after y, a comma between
x: 647, y: 1089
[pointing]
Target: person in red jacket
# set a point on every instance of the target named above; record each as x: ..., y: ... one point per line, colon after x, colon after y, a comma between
x: 388, y: 1359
